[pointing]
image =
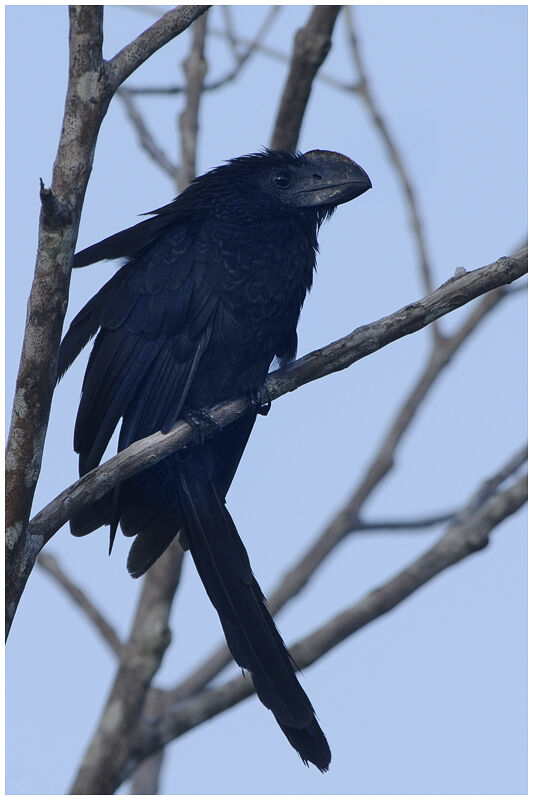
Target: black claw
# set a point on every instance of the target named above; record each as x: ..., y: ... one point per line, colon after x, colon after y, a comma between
x: 196, y: 418
x: 261, y: 401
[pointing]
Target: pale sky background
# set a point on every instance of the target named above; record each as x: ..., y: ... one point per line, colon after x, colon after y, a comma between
x: 431, y: 698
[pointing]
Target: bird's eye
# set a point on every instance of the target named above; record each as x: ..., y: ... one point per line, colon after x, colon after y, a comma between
x: 282, y: 180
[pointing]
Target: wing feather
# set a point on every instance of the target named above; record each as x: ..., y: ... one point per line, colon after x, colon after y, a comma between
x: 147, y: 351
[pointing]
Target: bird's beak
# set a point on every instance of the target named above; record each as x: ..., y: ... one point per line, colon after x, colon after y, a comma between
x: 330, y: 179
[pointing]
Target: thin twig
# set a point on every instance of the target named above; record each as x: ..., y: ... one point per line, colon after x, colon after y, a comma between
x: 415, y: 524
x: 252, y: 45
x: 485, y: 492
x: 195, y: 66
x: 463, y: 538
x: 251, y: 48
x: 366, y: 94
x: 279, y: 55
x: 146, y: 139
x: 489, y: 487
x: 230, y: 33
x: 50, y: 564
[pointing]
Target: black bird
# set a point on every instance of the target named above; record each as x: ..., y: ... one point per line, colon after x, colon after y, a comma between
x: 209, y: 295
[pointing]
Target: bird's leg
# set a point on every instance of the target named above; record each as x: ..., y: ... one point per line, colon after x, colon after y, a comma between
x: 260, y: 400
x: 195, y: 418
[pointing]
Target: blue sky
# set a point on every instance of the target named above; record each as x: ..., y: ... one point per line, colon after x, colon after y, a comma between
x: 430, y: 698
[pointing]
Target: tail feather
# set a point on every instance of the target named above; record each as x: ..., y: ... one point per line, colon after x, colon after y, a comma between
x: 251, y: 634
x: 194, y: 505
x: 93, y: 517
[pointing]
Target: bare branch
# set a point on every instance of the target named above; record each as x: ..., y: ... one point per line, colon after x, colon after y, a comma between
x: 160, y: 33
x: 229, y: 31
x: 141, y: 658
x: 461, y: 540
x: 484, y: 493
x: 347, y: 518
x: 489, y: 487
x: 146, y: 777
x: 311, y: 46
x: 146, y: 140
x: 195, y: 67
x: 91, y: 85
x: 243, y: 41
x: 336, y: 356
x: 85, y: 107
x: 252, y: 47
x: 415, y: 524
x: 394, y: 154
x: 51, y: 565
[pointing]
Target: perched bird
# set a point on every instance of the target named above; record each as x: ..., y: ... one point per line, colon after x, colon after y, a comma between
x: 209, y: 295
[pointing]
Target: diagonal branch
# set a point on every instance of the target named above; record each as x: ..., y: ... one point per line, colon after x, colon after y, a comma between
x: 51, y: 565
x: 332, y: 358
x: 336, y: 356
x: 462, y: 539
x: 146, y: 139
x: 466, y: 536
x: 160, y: 33
x: 368, y: 97
x: 347, y: 519
x: 408, y: 525
x: 252, y: 47
x: 229, y: 33
x: 489, y: 487
x: 259, y: 47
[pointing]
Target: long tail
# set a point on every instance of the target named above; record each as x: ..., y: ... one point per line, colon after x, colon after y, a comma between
x: 252, y: 637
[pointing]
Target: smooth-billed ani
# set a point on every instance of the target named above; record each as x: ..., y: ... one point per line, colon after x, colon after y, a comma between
x: 209, y: 295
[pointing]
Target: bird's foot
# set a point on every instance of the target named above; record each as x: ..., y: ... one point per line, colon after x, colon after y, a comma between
x: 260, y: 400
x: 196, y: 419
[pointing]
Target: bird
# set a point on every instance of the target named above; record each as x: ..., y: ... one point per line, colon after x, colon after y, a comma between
x: 207, y: 300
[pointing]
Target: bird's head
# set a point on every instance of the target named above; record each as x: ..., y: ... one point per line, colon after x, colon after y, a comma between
x: 275, y: 183
x: 318, y: 179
